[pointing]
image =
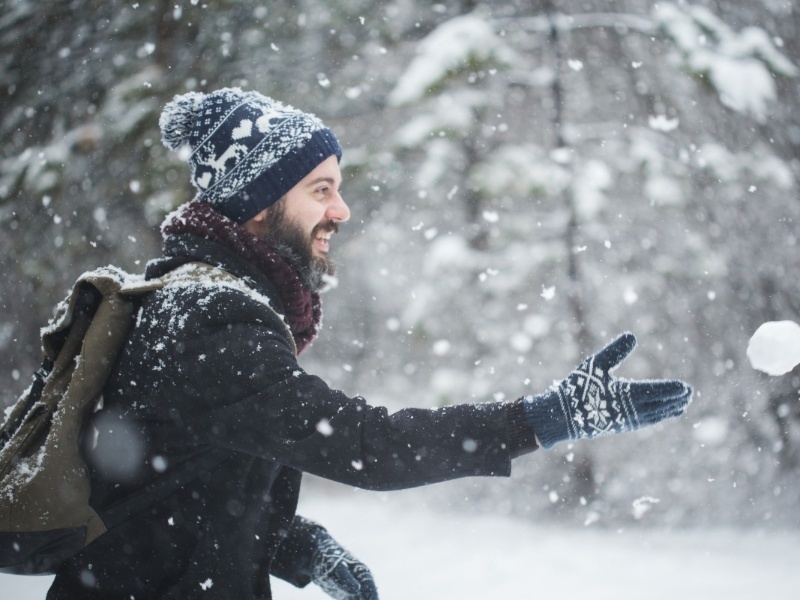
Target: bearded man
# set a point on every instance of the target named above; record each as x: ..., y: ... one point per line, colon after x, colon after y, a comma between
x: 211, y: 369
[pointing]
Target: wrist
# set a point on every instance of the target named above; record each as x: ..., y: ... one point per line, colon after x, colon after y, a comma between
x: 521, y: 438
x: 545, y: 417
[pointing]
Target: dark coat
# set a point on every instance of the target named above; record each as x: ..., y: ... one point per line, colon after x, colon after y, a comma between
x: 210, y: 366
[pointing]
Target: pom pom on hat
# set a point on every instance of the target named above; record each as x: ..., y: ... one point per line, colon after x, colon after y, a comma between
x: 247, y: 150
x: 178, y: 118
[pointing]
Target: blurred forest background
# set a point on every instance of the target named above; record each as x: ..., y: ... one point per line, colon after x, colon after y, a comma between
x: 527, y: 179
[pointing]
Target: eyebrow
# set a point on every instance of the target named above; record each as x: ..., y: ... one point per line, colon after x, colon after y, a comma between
x: 320, y: 180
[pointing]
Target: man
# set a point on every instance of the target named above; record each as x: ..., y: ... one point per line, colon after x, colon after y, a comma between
x: 211, y: 369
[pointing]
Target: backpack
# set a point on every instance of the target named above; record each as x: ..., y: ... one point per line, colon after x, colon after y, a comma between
x: 45, y: 516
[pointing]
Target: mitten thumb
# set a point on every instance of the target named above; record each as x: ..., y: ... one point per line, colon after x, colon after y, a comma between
x: 614, y: 353
x: 344, y: 579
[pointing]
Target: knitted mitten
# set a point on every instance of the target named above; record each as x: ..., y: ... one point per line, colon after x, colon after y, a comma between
x: 592, y: 402
x: 338, y: 573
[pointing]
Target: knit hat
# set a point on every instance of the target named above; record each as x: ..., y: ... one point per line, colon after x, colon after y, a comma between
x: 247, y: 150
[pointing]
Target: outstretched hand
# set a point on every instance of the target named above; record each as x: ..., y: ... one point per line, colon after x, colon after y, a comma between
x: 592, y: 402
x: 339, y: 573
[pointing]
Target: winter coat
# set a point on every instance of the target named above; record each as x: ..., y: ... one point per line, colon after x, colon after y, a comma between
x: 210, y: 367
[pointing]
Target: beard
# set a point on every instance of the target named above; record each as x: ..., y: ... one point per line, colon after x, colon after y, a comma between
x: 292, y: 243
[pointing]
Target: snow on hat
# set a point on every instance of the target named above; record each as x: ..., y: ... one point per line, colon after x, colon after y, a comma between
x: 247, y: 150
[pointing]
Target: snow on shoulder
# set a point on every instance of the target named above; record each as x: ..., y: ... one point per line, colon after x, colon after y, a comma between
x: 213, y: 280
x: 775, y: 347
x: 208, y: 276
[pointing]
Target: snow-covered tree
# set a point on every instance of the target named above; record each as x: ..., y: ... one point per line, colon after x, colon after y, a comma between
x: 526, y: 180
x: 572, y: 175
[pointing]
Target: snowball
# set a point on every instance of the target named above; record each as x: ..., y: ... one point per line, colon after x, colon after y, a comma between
x: 775, y: 347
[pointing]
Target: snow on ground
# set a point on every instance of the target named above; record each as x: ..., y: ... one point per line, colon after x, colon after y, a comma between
x: 417, y: 551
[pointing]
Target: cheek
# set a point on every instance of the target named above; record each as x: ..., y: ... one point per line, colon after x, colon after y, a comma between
x: 305, y: 211
x: 313, y: 217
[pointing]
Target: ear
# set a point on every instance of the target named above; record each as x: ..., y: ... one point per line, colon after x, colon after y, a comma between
x: 256, y: 225
x: 260, y: 217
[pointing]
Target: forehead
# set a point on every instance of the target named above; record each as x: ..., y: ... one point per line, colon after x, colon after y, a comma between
x: 327, y: 170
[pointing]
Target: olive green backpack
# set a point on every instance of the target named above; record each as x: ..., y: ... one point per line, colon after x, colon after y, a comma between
x: 45, y: 516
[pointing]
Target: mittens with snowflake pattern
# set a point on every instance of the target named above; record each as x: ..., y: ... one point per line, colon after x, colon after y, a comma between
x: 591, y: 402
x: 338, y: 573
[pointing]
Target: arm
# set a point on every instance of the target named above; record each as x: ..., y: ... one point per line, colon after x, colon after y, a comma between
x: 302, y: 423
x: 254, y: 398
x: 249, y: 394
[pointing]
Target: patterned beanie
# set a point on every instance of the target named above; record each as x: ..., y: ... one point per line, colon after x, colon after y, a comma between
x: 247, y: 150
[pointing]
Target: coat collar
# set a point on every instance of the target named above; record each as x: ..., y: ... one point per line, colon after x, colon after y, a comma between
x: 185, y: 248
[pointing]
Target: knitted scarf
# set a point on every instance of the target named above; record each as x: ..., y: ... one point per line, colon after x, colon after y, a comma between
x: 302, y: 308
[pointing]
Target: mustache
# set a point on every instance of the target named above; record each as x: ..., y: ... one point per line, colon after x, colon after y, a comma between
x: 325, y: 226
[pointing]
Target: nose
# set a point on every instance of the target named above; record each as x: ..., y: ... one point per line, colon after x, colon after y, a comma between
x: 338, y: 210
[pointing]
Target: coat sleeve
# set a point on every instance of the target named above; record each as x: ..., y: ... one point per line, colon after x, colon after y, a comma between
x: 244, y: 390
x: 292, y: 561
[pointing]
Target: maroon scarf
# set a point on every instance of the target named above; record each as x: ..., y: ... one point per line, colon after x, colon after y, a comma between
x: 303, y: 308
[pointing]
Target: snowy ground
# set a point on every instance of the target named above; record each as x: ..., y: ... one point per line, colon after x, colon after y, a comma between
x: 419, y: 552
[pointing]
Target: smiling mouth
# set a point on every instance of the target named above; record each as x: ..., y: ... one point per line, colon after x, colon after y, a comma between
x: 322, y: 237
x: 322, y: 241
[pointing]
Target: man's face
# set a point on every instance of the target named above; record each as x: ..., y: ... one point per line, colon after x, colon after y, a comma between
x: 300, y: 225
x: 316, y: 206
